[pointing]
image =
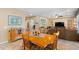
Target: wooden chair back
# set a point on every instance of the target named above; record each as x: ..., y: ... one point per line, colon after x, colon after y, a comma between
x: 26, y: 43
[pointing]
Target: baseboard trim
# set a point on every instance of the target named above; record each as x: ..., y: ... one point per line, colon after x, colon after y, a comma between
x: 3, y: 42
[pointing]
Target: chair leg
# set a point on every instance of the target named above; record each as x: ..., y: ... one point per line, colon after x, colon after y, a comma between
x: 24, y: 47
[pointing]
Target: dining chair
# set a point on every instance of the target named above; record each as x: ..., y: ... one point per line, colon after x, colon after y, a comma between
x: 52, y: 46
x: 52, y: 39
x: 57, y: 35
x: 26, y: 44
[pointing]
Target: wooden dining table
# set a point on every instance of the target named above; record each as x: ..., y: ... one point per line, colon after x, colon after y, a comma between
x: 42, y: 40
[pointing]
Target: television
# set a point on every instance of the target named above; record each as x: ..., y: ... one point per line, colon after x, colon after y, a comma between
x: 59, y: 24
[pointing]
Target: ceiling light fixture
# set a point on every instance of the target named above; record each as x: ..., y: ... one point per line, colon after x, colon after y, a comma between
x: 56, y: 16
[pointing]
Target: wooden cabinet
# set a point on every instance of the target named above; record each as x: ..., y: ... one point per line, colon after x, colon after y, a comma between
x: 12, y: 35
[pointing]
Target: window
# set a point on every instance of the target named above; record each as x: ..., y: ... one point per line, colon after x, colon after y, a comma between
x: 14, y: 20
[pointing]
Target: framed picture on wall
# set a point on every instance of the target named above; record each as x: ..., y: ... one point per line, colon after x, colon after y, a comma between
x: 14, y: 20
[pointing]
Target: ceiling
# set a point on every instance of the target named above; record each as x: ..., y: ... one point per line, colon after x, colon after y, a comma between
x: 68, y: 12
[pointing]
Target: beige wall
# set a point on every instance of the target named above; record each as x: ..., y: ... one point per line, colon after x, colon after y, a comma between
x: 4, y: 21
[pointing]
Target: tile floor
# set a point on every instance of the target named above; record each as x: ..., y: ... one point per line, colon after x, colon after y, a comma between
x: 62, y: 45
x: 67, y: 45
